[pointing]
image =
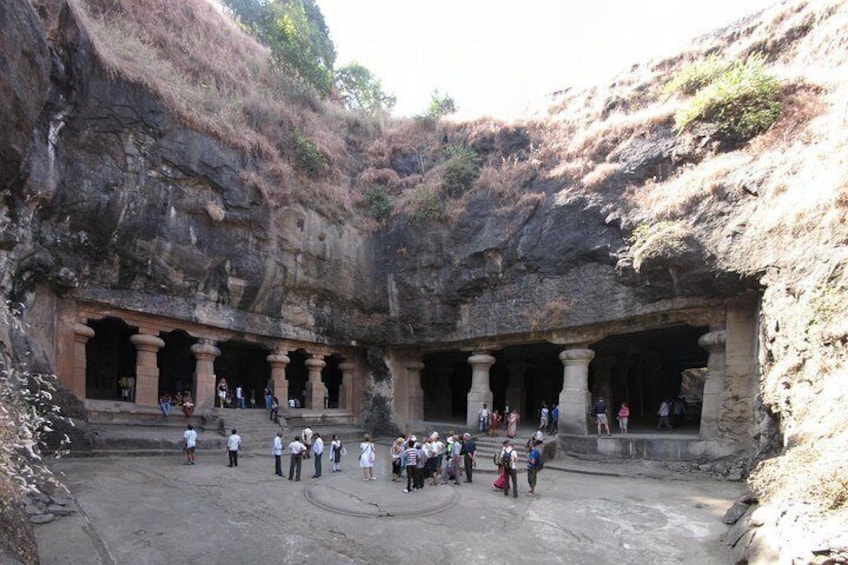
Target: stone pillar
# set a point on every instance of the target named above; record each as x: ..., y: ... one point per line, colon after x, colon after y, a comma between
x: 205, y: 353
x: 82, y: 334
x: 315, y: 386
x: 146, y: 368
x: 480, y: 392
x: 714, y: 384
x: 575, y: 399
x: 279, y: 382
x: 346, y: 389
x: 516, y: 392
x: 602, y: 385
x: 415, y: 394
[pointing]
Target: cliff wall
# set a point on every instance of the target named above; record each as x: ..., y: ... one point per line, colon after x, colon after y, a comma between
x: 599, y: 210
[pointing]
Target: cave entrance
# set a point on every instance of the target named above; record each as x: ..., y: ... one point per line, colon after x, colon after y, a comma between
x: 297, y: 375
x: 110, y: 361
x: 644, y: 368
x: 244, y: 364
x: 332, y: 377
x: 445, y: 381
x: 531, y: 376
x: 176, y: 363
x: 641, y: 368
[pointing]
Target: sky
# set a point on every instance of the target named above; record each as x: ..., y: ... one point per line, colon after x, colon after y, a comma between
x: 503, y: 58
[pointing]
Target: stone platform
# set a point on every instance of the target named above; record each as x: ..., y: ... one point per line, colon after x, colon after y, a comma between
x: 657, y: 446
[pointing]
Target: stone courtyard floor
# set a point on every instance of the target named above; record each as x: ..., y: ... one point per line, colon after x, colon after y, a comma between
x: 151, y: 510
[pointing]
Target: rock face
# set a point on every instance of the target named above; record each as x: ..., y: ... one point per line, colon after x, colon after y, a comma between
x: 109, y: 197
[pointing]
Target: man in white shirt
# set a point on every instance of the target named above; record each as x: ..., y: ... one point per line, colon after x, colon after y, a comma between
x: 296, y: 450
x: 483, y: 418
x: 190, y: 439
x: 240, y: 397
x: 317, y: 451
x: 277, y: 452
x: 233, y: 445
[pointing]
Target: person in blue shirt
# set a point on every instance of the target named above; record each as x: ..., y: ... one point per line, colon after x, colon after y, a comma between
x: 534, y: 463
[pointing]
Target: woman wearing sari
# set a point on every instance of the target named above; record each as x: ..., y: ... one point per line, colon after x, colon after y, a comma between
x: 494, y: 423
x: 512, y: 424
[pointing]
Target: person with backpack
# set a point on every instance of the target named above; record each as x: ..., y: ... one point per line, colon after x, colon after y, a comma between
x: 534, y: 465
x: 509, y: 460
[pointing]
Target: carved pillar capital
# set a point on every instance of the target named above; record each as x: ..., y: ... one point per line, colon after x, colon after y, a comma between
x: 481, y: 359
x: 82, y: 333
x: 713, y: 341
x: 316, y: 363
x: 205, y: 349
x: 147, y: 342
x: 576, y: 356
x: 278, y: 360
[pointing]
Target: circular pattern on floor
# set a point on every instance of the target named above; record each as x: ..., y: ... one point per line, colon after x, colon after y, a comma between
x: 352, y: 496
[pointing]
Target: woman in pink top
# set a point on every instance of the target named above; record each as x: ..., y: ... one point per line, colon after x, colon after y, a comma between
x: 623, y: 417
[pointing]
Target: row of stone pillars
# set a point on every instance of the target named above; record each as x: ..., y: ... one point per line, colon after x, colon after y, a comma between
x: 575, y: 398
x: 205, y: 352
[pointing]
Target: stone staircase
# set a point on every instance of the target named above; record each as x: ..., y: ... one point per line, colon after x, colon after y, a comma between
x: 487, y: 447
x: 257, y: 430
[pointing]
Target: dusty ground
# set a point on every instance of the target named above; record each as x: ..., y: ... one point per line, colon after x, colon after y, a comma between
x: 156, y: 510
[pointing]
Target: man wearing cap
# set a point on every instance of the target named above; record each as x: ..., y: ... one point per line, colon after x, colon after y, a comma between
x: 600, y: 411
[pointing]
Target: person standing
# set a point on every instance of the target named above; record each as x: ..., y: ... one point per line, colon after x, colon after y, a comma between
x: 336, y: 453
x: 222, y: 392
x: 678, y: 412
x: 623, y: 417
x: 240, y: 396
x: 296, y: 450
x: 544, y: 415
x: 454, y: 466
x: 411, y: 462
x: 534, y: 463
x: 512, y: 424
x: 268, y: 397
x: 483, y: 418
x: 420, y: 465
x: 469, y: 452
x: 600, y: 411
x: 274, y: 415
x: 663, y: 414
x: 190, y: 443
x: 397, y: 455
x: 554, y: 428
x: 306, y: 439
x: 277, y: 452
x: 509, y: 460
x: 233, y: 445
x: 367, y: 456
x: 317, y: 454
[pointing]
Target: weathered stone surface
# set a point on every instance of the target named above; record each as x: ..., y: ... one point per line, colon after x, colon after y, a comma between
x: 734, y: 513
x: 24, y: 73
x: 42, y: 518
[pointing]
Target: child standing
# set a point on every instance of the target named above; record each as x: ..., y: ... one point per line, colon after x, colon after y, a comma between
x: 623, y: 417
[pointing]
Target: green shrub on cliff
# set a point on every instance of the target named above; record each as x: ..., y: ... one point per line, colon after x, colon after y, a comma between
x: 695, y: 76
x: 425, y: 204
x: 376, y: 202
x: 742, y: 101
x: 460, y: 169
x: 307, y: 157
